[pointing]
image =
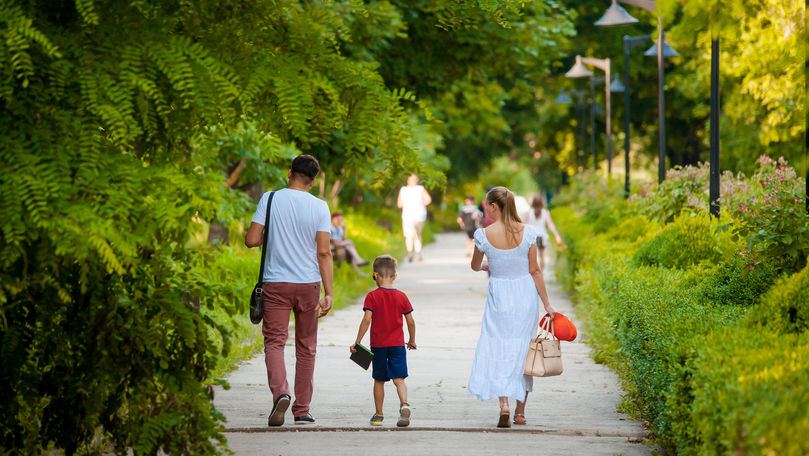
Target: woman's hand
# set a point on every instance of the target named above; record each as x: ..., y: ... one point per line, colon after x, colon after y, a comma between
x: 484, y: 267
x: 551, y: 311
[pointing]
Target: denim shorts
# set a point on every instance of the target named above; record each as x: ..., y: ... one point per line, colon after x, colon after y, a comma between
x: 388, y: 363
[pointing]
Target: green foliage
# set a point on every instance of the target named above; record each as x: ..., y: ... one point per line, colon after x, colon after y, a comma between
x: 687, y: 241
x: 750, y: 391
x: 128, y: 117
x: 785, y: 309
x: 739, y: 281
x: 773, y: 215
x: 712, y: 353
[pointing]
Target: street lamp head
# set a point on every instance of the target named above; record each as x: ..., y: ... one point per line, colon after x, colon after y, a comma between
x: 615, y: 15
x: 562, y: 98
x: 578, y: 70
x: 616, y: 85
x: 668, y: 51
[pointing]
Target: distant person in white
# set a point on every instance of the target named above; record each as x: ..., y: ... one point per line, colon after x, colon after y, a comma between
x: 540, y: 218
x: 413, y: 201
x: 298, y: 260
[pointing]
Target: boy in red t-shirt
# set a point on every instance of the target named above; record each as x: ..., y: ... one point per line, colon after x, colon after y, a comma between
x: 383, y: 309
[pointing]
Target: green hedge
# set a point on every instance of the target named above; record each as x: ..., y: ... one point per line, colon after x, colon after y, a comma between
x: 710, y: 337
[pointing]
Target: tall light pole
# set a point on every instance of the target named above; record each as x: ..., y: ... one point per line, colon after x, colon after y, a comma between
x: 580, y: 71
x: 616, y: 15
x: 581, y: 105
x: 629, y: 43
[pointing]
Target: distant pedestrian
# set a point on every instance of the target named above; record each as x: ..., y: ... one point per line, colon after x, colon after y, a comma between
x: 298, y: 259
x: 486, y: 219
x: 413, y: 201
x: 340, y: 242
x: 469, y: 217
x: 511, y: 315
x: 384, y: 308
x: 540, y: 218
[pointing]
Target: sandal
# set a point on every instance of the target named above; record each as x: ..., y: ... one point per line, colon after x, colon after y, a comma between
x: 519, y: 418
x: 503, y: 422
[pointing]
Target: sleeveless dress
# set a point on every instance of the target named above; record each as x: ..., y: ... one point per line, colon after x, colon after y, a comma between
x: 510, y: 320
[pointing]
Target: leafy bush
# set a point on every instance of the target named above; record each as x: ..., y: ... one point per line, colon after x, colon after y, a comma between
x: 712, y: 354
x: 689, y: 240
x: 740, y: 281
x: 785, y: 309
x: 772, y: 215
x: 750, y: 391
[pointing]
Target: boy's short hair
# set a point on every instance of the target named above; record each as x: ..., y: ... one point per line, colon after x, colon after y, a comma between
x: 385, y: 265
x: 305, y: 167
x: 470, y: 198
x: 336, y: 214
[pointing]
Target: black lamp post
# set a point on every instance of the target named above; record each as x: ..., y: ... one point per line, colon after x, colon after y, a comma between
x: 581, y: 105
x: 580, y: 71
x: 629, y: 43
x: 616, y: 15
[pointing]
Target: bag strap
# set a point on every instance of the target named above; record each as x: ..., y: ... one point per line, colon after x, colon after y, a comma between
x: 266, y: 237
x: 548, y: 328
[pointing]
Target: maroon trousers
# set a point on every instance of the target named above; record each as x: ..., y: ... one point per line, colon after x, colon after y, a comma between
x: 279, y: 299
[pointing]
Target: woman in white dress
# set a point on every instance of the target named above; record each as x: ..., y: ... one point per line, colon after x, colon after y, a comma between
x: 540, y: 218
x: 413, y: 201
x: 511, y: 316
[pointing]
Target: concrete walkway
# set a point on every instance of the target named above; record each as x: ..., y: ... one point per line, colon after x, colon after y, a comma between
x: 573, y: 413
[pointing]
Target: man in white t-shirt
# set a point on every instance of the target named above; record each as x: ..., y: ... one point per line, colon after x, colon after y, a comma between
x: 298, y: 259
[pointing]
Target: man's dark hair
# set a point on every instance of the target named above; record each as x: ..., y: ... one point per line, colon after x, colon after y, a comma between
x: 385, y: 265
x: 305, y: 167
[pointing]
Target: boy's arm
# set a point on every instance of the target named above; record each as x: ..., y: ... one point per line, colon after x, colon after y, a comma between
x: 411, y: 329
x: 364, y: 324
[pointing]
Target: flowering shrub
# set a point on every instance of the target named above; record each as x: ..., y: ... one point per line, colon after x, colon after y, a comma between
x: 771, y: 214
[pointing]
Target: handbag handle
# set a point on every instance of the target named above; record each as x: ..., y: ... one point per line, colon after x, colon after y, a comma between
x: 547, y: 327
x: 266, y: 237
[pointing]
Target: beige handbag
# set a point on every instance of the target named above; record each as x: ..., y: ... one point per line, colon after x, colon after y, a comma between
x: 544, y: 357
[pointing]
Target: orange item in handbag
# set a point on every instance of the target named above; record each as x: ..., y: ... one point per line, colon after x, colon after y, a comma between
x: 564, y: 329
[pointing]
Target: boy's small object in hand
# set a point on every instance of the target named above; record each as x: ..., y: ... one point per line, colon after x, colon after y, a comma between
x: 362, y: 356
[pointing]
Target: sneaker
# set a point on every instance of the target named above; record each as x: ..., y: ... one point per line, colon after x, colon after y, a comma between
x: 376, y: 420
x: 305, y: 419
x: 278, y: 410
x: 404, y: 415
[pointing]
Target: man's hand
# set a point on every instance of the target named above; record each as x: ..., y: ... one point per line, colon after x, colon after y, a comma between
x: 324, y: 305
x: 353, y: 348
x: 411, y: 344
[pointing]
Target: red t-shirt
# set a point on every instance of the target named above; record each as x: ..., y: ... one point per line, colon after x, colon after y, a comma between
x: 388, y: 306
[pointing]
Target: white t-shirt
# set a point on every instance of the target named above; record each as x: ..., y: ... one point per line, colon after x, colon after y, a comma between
x: 539, y: 224
x: 295, y: 218
x: 413, y: 208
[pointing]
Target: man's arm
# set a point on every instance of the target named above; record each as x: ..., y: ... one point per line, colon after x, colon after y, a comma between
x: 425, y: 197
x: 411, y: 329
x: 324, y: 262
x: 399, y: 198
x: 255, y: 235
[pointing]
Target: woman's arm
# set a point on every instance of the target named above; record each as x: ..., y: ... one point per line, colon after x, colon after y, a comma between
x: 552, y: 228
x: 477, y: 261
x: 539, y: 281
x: 425, y: 197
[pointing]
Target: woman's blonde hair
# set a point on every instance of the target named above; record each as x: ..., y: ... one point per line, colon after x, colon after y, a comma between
x: 538, y: 204
x: 504, y: 199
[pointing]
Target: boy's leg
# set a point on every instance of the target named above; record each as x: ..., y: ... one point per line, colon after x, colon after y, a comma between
x: 275, y: 328
x: 404, y: 407
x: 379, y: 396
x: 307, y: 296
x: 401, y: 389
